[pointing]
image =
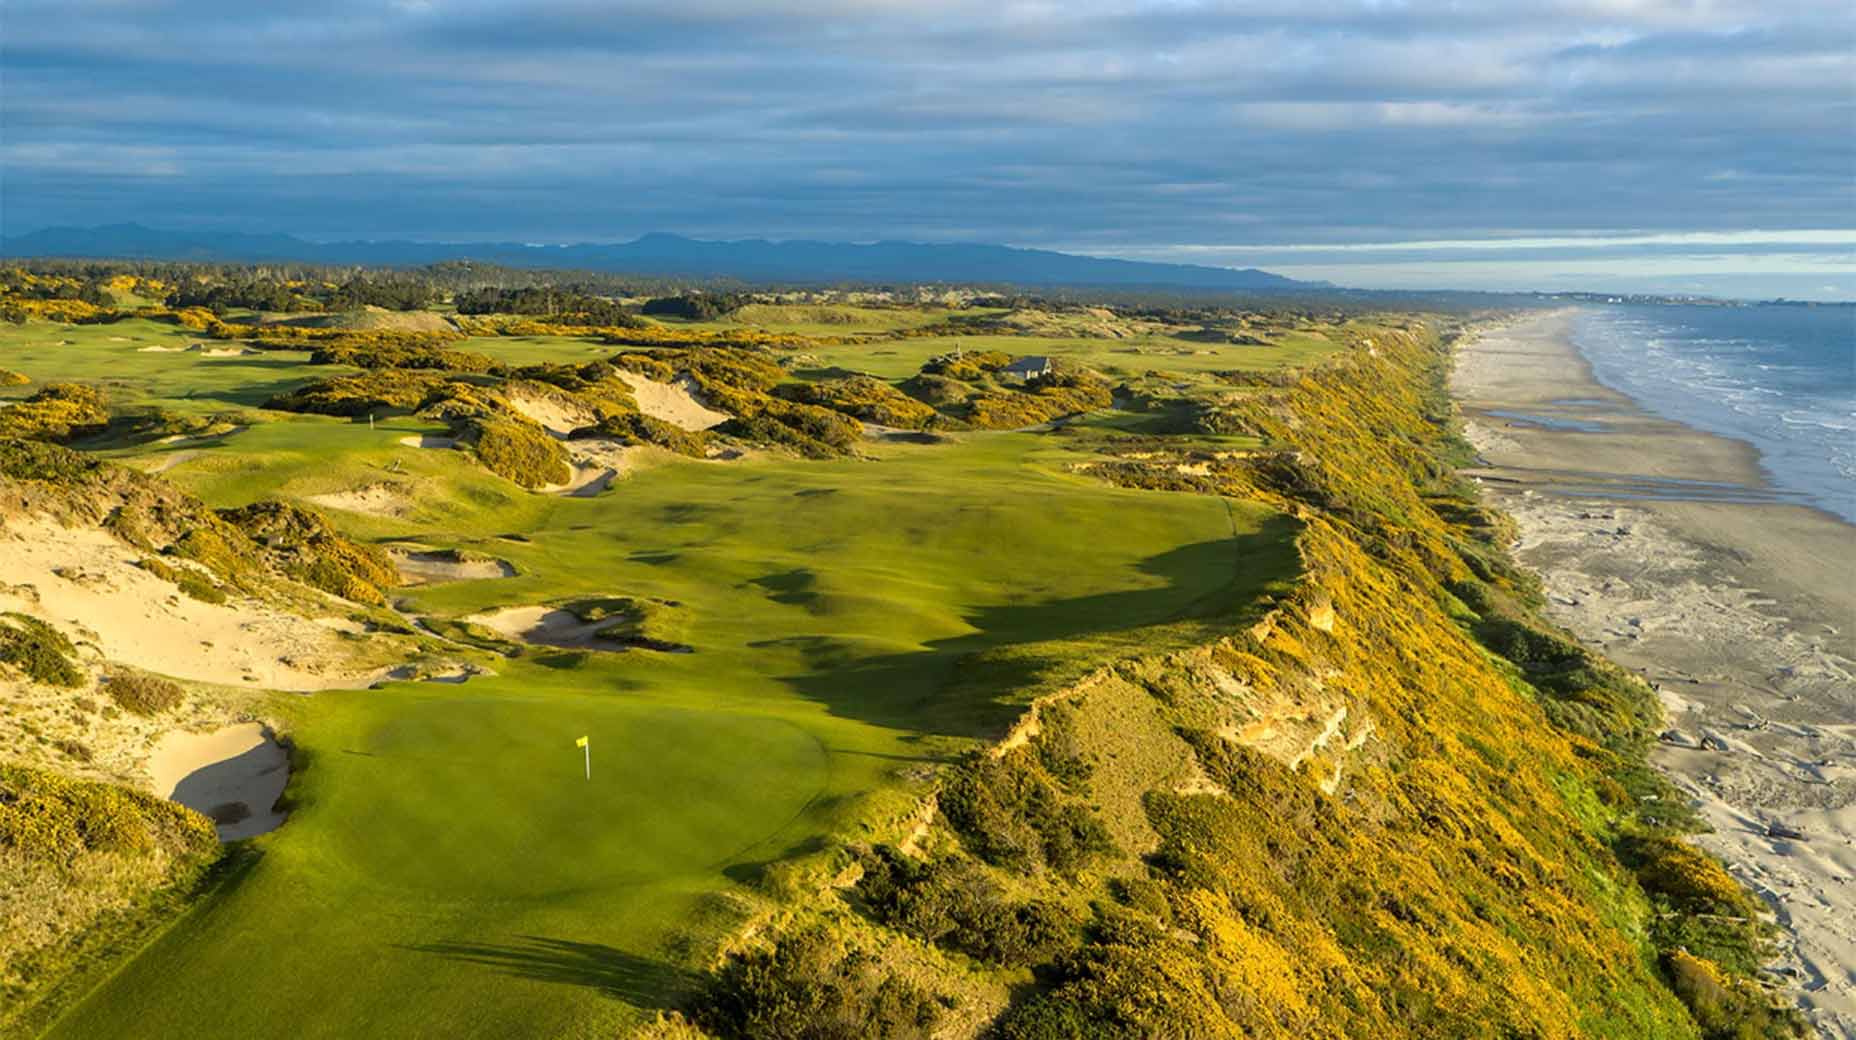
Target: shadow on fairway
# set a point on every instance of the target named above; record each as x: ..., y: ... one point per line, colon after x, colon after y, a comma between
x: 638, y: 981
x: 972, y: 685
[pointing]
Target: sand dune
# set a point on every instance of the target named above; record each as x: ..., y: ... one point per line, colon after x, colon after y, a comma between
x: 85, y: 583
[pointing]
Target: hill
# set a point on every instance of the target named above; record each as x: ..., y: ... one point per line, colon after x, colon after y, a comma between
x: 755, y: 260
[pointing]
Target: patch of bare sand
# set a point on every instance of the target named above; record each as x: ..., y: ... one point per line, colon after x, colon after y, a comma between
x: 234, y: 776
x: 433, y: 567
x: 384, y: 499
x: 676, y: 402
x: 86, y: 584
x: 227, y: 352
x: 1663, y: 547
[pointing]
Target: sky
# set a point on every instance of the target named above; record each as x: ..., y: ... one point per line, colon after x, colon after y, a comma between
x: 1617, y: 145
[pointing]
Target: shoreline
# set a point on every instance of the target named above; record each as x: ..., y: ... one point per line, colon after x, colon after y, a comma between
x: 1668, y: 549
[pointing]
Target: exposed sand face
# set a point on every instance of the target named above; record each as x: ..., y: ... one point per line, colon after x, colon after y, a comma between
x: 233, y: 775
x: 1664, y: 547
x: 85, y: 583
x: 675, y: 403
x: 557, y: 417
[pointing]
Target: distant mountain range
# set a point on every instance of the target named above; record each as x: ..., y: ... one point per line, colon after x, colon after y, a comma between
x: 670, y: 256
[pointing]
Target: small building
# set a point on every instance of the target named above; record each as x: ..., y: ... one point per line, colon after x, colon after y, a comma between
x: 1027, y: 368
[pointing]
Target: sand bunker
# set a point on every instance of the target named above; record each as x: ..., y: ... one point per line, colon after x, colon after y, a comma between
x: 587, y: 481
x: 597, y: 462
x: 86, y: 583
x: 429, y: 440
x: 675, y: 403
x: 389, y: 500
x: 544, y: 626
x: 160, y: 350
x: 435, y: 567
x: 227, y: 352
x: 233, y: 776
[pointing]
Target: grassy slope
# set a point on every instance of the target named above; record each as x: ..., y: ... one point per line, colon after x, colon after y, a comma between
x: 448, y: 871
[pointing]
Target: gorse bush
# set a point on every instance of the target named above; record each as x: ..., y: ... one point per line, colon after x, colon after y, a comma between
x: 59, y: 412
x: 862, y: 397
x: 638, y: 428
x: 54, y: 819
x: 956, y: 904
x: 306, y: 548
x: 518, y: 450
x: 814, y: 985
x: 1011, y: 812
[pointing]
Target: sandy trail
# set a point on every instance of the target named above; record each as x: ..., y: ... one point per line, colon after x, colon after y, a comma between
x: 233, y: 775
x: 676, y: 402
x: 1663, y: 547
x: 85, y: 583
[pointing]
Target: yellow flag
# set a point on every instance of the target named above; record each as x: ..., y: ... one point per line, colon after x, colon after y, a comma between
x: 580, y: 743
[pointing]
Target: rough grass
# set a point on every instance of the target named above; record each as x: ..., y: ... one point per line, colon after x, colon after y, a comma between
x: 142, y: 694
x: 38, y: 651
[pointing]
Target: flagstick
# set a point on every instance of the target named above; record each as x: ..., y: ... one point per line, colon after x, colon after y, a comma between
x: 588, y: 748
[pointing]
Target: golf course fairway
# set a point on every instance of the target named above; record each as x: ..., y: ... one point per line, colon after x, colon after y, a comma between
x: 448, y: 869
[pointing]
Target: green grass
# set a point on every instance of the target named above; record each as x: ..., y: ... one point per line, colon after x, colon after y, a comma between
x: 447, y: 870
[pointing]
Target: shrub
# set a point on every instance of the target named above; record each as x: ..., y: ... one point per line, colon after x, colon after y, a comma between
x: 954, y: 903
x: 863, y: 397
x: 142, y: 694
x: 519, y: 451
x: 306, y: 548
x: 638, y: 428
x: 55, y: 819
x: 190, y: 581
x: 1010, y: 812
x: 58, y: 412
x: 8, y: 377
x: 380, y: 391
x: 38, y: 650
x: 811, y: 986
x: 1725, y: 1007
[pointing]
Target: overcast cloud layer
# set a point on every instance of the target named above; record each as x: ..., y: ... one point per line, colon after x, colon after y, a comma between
x: 1166, y: 130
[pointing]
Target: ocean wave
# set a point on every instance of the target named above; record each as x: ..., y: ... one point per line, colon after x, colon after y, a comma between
x: 1782, y: 379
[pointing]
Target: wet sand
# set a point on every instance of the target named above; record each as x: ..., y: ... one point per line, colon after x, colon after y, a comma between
x: 1667, y: 549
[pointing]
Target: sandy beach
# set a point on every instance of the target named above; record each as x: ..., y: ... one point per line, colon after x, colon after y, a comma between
x: 1666, y: 548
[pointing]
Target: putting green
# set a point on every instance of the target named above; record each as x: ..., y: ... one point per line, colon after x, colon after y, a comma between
x: 512, y: 767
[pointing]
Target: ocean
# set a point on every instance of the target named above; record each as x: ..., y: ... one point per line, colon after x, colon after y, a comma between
x: 1780, y: 378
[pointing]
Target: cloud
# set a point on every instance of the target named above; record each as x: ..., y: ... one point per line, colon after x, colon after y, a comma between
x: 1107, y: 124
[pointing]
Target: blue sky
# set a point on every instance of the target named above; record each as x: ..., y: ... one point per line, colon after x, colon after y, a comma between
x: 1633, y: 144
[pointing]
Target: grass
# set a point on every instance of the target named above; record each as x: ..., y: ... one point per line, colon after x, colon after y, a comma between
x: 448, y: 870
